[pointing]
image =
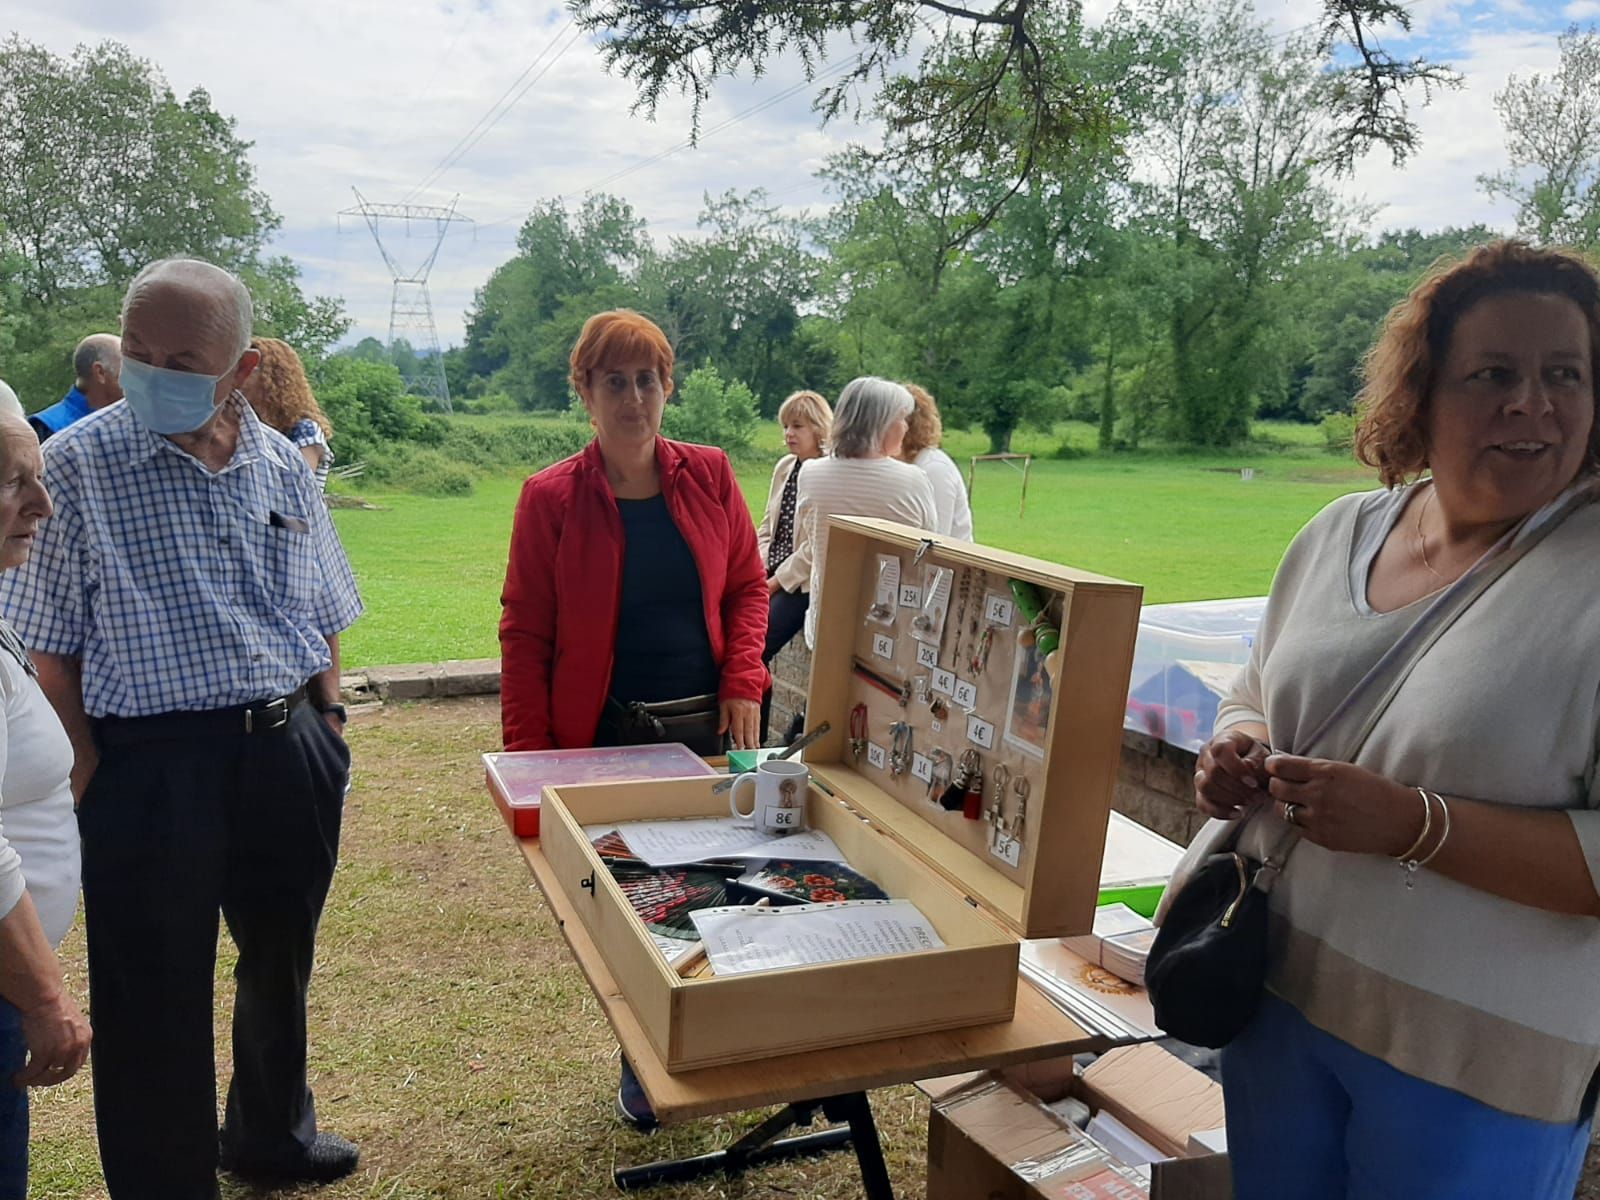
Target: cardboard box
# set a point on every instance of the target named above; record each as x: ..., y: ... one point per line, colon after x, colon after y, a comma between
x: 980, y: 901
x: 991, y: 1137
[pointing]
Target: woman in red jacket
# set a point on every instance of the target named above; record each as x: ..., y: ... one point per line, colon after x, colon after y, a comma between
x: 635, y: 604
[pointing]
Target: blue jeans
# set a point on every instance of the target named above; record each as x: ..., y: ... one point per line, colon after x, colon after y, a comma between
x: 1312, y: 1118
x: 13, y: 1107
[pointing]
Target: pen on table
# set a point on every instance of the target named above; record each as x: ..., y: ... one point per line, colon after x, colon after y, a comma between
x: 692, y: 960
x: 793, y: 748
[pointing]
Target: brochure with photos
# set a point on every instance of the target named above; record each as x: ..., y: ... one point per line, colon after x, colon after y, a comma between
x: 803, y: 882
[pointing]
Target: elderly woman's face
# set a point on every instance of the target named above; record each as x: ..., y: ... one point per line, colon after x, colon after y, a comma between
x: 800, y: 438
x: 1513, y: 406
x: 23, y: 500
x: 624, y: 400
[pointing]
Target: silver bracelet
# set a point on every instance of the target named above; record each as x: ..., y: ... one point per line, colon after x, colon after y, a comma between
x: 1427, y: 824
x: 1412, y: 866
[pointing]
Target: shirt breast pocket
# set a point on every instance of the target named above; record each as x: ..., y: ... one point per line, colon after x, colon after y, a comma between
x: 286, y: 562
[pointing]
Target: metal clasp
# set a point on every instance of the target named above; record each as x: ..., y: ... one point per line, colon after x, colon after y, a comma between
x: 922, y: 550
x: 278, y: 709
x: 588, y: 884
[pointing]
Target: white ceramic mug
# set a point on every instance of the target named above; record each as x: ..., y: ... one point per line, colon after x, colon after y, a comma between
x: 780, y: 795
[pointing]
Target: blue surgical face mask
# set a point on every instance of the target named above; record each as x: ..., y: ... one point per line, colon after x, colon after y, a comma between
x: 167, y: 401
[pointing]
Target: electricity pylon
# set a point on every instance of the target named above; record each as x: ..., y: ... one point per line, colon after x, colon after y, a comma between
x: 410, y: 307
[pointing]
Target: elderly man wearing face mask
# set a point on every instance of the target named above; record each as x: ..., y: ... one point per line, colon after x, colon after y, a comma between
x: 184, y: 605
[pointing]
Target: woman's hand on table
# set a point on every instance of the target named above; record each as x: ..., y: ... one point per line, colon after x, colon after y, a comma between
x: 1231, y: 778
x: 1340, y: 806
x: 741, y: 720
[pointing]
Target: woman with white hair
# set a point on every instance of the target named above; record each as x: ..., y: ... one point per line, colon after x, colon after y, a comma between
x: 861, y: 477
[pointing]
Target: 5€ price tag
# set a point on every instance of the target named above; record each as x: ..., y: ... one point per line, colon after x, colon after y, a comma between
x: 1006, y: 848
x: 980, y: 732
x: 922, y: 767
x: 927, y: 656
x: 883, y: 646
x: 877, y: 756
x: 997, y: 609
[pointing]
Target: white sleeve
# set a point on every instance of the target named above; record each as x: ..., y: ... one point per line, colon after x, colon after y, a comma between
x: 12, y: 883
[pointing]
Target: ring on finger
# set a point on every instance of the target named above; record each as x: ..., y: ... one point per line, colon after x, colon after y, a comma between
x: 1289, y: 812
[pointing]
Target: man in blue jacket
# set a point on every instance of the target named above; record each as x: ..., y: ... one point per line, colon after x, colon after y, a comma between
x: 98, y: 364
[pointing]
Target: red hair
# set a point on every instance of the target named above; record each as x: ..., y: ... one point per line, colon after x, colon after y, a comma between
x: 619, y: 336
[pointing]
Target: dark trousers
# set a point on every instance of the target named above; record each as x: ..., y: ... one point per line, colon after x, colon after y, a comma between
x: 178, y: 827
x: 786, y: 616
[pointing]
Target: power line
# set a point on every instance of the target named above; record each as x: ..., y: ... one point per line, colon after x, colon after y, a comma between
x: 491, y: 117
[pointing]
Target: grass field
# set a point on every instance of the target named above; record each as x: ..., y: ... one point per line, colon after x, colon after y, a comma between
x: 1186, y: 526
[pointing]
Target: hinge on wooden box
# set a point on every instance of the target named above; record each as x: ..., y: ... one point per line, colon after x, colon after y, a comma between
x: 588, y: 883
x: 922, y: 550
x: 972, y: 902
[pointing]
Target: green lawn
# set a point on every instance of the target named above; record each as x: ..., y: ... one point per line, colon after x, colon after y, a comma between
x: 1186, y: 526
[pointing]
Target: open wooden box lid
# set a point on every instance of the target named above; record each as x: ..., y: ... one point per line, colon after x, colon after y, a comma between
x: 1070, y: 758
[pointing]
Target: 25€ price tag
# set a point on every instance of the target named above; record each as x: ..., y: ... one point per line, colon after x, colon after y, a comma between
x: 1006, y: 848
x: 922, y: 767
x: 910, y: 596
x: 980, y: 732
x: 877, y: 756
x: 944, y: 682
x: 883, y: 646
x: 997, y: 609
x: 927, y: 656
x: 966, y: 694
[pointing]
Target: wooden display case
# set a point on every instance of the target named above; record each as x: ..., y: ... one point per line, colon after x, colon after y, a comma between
x: 980, y: 892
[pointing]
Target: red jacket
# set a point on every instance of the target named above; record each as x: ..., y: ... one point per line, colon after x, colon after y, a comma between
x: 558, y: 622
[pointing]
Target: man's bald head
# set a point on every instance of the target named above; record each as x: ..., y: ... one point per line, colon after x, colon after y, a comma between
x: 200, y: 292
x: 10, y: 406
x: 96, y: 363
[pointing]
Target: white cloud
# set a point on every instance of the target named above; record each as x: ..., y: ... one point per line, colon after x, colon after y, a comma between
x: 373, y: 93
x: 1581, y: 10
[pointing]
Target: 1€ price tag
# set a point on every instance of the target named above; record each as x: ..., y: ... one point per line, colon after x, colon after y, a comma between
x: 1006, y: 848
x: 922, y: 767
x: 910, y: 596
x: 944, y: 682
x: 966, y: 694
x: 883, y: 646
x: 927, y: 656
x: 980, y: 732
x: 997, y: 610
x: 877, y: 756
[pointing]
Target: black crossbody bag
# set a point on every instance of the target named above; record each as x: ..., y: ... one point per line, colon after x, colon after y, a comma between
x: 1207, y: 967
x: 692, y: 721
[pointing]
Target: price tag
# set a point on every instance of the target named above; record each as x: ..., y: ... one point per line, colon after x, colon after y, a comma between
x: 910, y: 596
x: 980, y: 732
x: 938, y: 726
x: 877, y: 756
x: 927, y: 656
x: 997, y: 610
x: 922, y: 767
x: 944, y: 682
x: 966, y: 694
x: 786, y: 819
x: 883, y: 646
x: 1006, y: 848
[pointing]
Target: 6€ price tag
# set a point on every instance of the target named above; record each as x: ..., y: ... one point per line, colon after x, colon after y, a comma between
x: 883, y: 646
x: 877, y: 756
x: 922, y: 767
x: 980, y: 732
x: 997, y: 609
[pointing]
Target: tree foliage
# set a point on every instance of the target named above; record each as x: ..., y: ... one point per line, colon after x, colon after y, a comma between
x: 713, y: 411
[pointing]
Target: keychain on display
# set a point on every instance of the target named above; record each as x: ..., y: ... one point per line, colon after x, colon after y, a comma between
x: 900, y: 734
x: 883, y: 604
x: 1002, y: 777
x: 899, y: 691
x: 1040, y: 630
x: 980, y: 655
x: 964, y: 596
x: 955, y: 795
x: 1019, y: 819
x: 972, y: 802
x: 939, y: 777
x: 928, y: 625
x: 858, y: 731
x: 939, y: 709
x: 922, y: 685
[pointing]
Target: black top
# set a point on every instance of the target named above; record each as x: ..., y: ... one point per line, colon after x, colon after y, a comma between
x: 663, y: 650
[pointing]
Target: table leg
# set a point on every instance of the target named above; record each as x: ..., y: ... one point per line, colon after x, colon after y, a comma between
x: 763, y: 1145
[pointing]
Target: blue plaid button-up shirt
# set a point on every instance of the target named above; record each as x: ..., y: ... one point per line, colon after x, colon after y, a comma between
x: 179, y: 588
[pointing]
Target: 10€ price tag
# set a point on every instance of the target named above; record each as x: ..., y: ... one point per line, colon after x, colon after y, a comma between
x: 877, y: 756
x: 883, y: 646
x: 980, y: 732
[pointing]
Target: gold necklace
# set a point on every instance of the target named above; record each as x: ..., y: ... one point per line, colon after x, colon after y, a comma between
x: 1422, y: 542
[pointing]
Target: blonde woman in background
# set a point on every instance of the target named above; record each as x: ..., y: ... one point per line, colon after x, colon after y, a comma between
x: 924, y: 432
x: 280, y: 394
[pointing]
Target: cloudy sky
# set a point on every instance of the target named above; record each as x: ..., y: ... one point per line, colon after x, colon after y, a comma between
x: 378, y: 96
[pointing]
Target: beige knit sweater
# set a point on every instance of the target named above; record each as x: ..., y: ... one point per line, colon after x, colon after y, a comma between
x: 1446, y: 983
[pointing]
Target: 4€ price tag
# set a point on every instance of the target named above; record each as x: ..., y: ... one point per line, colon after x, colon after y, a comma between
x: 980, y: 732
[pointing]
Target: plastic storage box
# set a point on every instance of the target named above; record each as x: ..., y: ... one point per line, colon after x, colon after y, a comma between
x: 517, y: 778
x: 1185, y: 660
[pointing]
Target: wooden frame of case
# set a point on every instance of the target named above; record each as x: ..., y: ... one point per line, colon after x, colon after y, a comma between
x: 978, y: 910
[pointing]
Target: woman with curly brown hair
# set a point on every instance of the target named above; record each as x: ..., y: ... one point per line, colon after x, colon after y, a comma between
x: 924, y: 433
x: 1430, y: 1027
x: 281, y: 395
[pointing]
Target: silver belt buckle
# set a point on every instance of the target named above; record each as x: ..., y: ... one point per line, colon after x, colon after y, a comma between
x: 277, y: 709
